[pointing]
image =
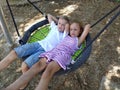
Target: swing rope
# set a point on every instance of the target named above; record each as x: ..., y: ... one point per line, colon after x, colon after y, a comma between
x: 105, y: 15
x: 13, y: 18
x: 35, y: 7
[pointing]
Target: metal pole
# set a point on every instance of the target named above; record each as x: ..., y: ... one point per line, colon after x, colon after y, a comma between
x: 4, y: 28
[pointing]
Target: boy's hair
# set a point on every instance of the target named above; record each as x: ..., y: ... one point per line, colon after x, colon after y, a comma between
x: 65, y: 18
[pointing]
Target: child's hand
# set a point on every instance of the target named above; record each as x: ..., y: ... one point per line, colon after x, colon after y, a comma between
x: 88, y: 26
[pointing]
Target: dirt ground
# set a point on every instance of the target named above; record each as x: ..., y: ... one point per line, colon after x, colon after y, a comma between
x: 102, y: 69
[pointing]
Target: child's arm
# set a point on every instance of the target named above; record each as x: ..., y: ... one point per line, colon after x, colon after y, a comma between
x: 67, y: 28
x: 66, y: 31
x: 52, y: 18
x: 84, y: 34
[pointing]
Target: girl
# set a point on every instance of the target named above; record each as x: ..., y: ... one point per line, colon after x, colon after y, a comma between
x: 55, y: 59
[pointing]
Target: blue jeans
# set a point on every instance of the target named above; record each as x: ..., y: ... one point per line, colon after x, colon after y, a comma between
x: 31, y: 51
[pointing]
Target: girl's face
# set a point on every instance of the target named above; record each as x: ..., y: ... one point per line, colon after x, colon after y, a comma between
x: 75, y: 30
x: 61, y: 24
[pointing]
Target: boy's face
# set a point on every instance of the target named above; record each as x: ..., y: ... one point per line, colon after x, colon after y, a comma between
x: 61, y: 24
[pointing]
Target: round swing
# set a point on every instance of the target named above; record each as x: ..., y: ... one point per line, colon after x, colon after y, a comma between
x: 39, y: 30
x: 42, y: 29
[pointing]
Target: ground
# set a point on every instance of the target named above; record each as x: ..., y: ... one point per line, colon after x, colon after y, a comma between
x: 102, y: 69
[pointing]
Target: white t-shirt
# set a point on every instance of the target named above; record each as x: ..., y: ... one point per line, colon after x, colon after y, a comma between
x: 53, y: 38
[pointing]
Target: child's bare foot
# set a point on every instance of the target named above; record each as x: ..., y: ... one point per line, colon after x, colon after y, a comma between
x: 23, y: 87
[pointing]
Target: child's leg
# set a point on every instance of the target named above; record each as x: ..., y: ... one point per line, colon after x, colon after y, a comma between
x: 24, y: 67
x: 30, y: 61
x: 33, y: 58
x: 51, y: 68
x: 20, y: 52
x: 7, y: 60
x: 26, y: 77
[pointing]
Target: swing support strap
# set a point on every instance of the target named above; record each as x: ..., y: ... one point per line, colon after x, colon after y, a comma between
x: 105, y: 15
x: 35, y: 7
x: 13, y: 18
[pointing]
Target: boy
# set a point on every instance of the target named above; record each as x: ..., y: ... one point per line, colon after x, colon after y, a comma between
x: 33, y: 50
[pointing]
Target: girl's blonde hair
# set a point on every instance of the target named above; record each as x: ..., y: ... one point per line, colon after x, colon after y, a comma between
x: 65, y: 18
